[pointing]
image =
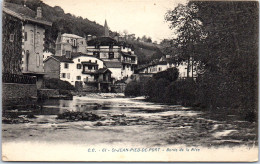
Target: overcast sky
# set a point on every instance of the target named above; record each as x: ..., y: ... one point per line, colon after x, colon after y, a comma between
x: 140, y: 17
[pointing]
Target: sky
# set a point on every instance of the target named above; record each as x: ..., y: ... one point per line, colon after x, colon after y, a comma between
x: 140, y: 17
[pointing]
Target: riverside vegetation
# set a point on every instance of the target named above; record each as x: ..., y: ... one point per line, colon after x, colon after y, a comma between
x: 222, y: 38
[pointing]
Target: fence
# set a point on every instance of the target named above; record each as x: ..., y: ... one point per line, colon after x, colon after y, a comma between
x: 15, y: 78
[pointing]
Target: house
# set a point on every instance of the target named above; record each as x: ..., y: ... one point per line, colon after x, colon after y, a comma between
x: 165, y: 63
x: 23, y: 39
x: 68, y: 43
x: 81, y: 70
x: 117, y: 55
x: 154, y: 67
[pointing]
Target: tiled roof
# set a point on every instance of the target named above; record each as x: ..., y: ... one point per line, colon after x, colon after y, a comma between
x: 71, y: 36
x: 23, y: 13
x: 112, y: 64
x: 60, y: 59
x: 102, y: 70
x: 102, y: 41
x: 77, y: 54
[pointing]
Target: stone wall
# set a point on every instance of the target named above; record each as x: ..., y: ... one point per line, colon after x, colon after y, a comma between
x: 13, y: 91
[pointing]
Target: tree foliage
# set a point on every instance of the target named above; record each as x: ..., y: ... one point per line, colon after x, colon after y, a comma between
x: 228, y: 53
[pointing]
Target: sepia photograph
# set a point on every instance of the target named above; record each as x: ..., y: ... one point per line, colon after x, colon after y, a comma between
x: 130, y: 80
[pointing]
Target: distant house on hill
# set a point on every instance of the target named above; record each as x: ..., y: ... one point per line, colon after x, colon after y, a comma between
x: 23, y: 39
x: 81, y: 70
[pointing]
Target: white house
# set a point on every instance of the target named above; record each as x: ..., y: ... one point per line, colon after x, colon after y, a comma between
x: 81, y: 70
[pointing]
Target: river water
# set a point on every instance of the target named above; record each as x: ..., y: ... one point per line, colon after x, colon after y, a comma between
x: 130, y: 121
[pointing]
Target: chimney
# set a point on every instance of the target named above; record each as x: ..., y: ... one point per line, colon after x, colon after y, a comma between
x: 39, y: 12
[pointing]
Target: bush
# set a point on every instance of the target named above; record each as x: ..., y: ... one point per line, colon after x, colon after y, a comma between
x: 170, y: 74
x: 133, y: 89
x: 58, y: 84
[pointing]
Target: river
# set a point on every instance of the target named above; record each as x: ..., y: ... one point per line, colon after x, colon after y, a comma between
x: 129, y: 121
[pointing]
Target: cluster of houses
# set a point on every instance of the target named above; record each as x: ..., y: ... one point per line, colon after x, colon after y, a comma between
x: 89, y: 63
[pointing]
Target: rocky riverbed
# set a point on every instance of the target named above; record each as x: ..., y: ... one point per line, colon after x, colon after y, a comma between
x: 109, y: 119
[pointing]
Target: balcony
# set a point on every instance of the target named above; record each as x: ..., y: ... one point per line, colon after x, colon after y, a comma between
x: 89, y: 71
x: 129, y: 61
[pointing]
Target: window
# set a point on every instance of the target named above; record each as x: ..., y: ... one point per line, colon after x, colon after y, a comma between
x: 68, y: 75
x: 90, y: 61
x: 25, y: 36
x: 37, y: 59
x: 74, y: 43
x: 78, y: 66
x: 78, y: 60
x: 11, y: 37
x: 63, y: 75
x: 111, y: 55
x: 81, y: 42
x: 123, y: 67
x: 32, y: 37
x: 96, y: 53
x: 96, y: 61
x: 66, y: 65
x: 78, y: 77
x: 68, y: 54
x: 90, y: 67
x: 68, y: 41
x: 159, y: 68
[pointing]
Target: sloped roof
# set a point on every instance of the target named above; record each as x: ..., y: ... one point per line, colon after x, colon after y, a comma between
x: 127, y: 54
x: 24, y: 13
x: 79, y: 54
x: 71, y: 36
x: 113, y: 64
x: 60, y: 59
x: 102, y: 70
x: 102, y: 41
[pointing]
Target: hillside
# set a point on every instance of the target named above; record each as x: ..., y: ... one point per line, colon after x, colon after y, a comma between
x: 68, y: 23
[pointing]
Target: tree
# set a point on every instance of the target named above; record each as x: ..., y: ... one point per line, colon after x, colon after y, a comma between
x: 188, y: 29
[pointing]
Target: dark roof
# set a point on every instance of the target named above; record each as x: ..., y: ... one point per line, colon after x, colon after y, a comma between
x: 123, y: 43
x: 60, y: 59
x: 112, y: 64
x: 162, y: 63
x: 24, y: 13
x: 102, y: 41
x: 102, y: 70
x: 127, y: 54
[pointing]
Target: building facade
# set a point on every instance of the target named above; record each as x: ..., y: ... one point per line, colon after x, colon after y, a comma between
x: 119, y: 57
x: 70, y: 43
x: 23, y: 40
x: 81, y: 70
